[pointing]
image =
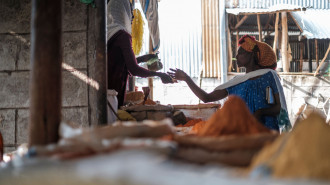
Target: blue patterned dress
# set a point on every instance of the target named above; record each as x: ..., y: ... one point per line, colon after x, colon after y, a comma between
x: 253, y: 92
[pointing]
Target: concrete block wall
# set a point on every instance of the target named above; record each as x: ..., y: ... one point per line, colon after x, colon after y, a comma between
x: 15, y: 30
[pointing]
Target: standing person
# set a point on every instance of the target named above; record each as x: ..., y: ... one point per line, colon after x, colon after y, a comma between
x: 121, y: 58
x: 259, y: 60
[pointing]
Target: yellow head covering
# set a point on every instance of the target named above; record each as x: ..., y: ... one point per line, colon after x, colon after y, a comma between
x: 265, y: 54
x: 137, y: 31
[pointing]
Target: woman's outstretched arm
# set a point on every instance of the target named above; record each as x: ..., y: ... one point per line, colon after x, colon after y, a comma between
x: 200, y: 93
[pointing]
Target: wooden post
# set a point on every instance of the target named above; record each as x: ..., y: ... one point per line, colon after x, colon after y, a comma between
x: 241, y: 21
x: 236, y: 52
x: 150, y: 79
x: 316, y: 53
x: 301, y: 56
x: 284, y: 48
x: 259, y: 27
x: 99, y: 105
x: 45, y: 80
x: 223, y: 41
x: 230, y: 51
x: 276, y: 32
x: 325, y: 57
x: 310, y: 64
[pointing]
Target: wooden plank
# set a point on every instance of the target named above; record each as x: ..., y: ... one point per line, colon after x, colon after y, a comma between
x: 230, y: 51
x: 301, y: 56
x: 316, y: 53
x: 272, y: 12
x: 237, y: 42
x: 310, y: 64
x: 325, y: 57
x: 241, y: 21
x: 295, y: 21
x: 46, y: 78
x: 100, y: 65
x: 259, y: 28
x: 150, y: 79
x: 284, y: 48
x: 276, y: 32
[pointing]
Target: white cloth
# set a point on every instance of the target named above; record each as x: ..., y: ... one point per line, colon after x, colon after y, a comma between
x: 243, y: 78
x: 119, y: 17
x: 150, y: 9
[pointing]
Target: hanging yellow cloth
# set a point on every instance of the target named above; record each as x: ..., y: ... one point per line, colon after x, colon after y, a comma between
x: 137, y: 31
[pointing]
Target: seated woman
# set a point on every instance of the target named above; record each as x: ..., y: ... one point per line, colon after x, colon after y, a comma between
x: 259, y: 60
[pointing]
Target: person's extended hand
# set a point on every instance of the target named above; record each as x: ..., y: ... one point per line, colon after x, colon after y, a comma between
x: 165, y: 78
x: 178, y: 74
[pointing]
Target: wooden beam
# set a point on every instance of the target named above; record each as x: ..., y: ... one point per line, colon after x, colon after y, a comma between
x: 295, y: 21
x: 325, y: 57
x: 230, y: 51
x: 276, y: 32
x: 100, y: 65
x: 46, y: 79
x: 241, y: 21
x: 236, y: 51
x: 316, y: 53
x: 150, y: 79
x: 271, y: 12
x: 301, y: 56
x: 268, y: 21
x: 310, y: 64
x: 284, y: 48
x: 259, y: 28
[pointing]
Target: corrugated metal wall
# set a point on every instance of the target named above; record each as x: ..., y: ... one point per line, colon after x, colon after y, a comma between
x: 316, y: 4
x: 189, y: 37
x: 211, y: 38
x: 181, y: 35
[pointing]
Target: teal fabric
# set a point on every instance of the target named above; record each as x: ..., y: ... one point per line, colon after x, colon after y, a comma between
x: 284, y: 121
x: 91, y: 2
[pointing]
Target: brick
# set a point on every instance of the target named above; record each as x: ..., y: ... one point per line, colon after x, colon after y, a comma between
x: 8, y: 51
x: 74, y: 52
x: 324, y: 91
x: 74, y: 89
x: 74, y: 16
x: 310, y: 81
x: 78, y: 116
x: 22, y: 126
x: 14, y: 90
x: 15, y: 16
x: 302, y: 91
x: 8, y: 149
x: 24, y: 55
x: 7, y: 126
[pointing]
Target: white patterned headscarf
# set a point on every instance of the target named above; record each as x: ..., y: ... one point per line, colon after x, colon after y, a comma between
x: 119, y: 17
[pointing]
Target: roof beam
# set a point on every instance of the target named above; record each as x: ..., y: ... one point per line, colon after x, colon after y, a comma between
x: 241, y: 21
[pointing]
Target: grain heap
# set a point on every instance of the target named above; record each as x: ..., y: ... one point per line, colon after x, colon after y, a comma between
x: 234, y: 118
x: 302, y: 153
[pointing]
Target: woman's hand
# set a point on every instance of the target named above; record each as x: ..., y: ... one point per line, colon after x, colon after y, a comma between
x: 165, y: 78
x: 178, y: 74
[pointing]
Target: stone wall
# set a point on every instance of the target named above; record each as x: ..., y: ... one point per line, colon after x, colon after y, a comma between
x: 15, y: 16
